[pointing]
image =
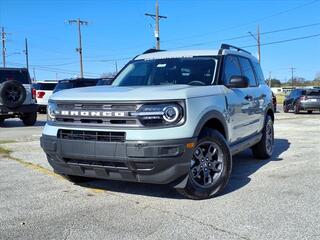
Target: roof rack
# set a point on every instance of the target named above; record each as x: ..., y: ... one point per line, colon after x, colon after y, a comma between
x: 228, y: 46
x: 152, y: 50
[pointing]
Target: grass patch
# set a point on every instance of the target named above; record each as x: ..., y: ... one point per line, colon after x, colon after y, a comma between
x: 4, y: 151
x: 7, y: 141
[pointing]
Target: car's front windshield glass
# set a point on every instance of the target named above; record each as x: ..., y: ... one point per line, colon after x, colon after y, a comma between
x: 198, y: 71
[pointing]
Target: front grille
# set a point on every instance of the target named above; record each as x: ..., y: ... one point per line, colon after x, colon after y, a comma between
x: 92, y: 135
x: 98, y: 114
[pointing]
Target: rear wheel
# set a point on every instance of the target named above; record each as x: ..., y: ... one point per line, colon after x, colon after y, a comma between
x: 29, y: 119
x: 296, y: 109
x: 210, y: 166
x: 309, y: 111
x: 264, y: 148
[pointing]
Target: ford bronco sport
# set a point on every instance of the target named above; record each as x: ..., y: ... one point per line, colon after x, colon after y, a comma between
x: 169, y: 117
x: 16, y: 96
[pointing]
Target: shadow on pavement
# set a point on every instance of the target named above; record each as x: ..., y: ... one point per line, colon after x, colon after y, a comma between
x: 12, y: 123
x: 244, y: 165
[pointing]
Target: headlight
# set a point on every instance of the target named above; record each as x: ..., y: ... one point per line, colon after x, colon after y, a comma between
x: 51, y: 111
x: 161, y: 114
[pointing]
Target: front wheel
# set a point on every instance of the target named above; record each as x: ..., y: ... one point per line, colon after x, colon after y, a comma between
x: 210, y: 166
x: 296, y: 109
x: 264, y: 148
x: 285, y: 108
x: 309, y: 111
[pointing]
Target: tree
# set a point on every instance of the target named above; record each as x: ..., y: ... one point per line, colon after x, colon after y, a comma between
x: 274, y: 82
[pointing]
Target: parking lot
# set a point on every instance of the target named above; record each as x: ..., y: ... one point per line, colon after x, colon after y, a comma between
x: 265, y: 199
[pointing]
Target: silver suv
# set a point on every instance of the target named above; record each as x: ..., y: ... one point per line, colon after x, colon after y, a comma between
x: 17, y: 96
x: 169, y: 117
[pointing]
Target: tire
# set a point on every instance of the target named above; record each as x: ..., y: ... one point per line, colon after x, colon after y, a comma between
x: 264, y: 148
x: 29, y: 119
x: 285, y: 108
x: 296, y: 109
x: 76, y: 179
x: 216, y: 165
x: 309, y: 111
x: 12, y: 94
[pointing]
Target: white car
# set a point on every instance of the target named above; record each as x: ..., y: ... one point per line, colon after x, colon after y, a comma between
x: 43, y: 90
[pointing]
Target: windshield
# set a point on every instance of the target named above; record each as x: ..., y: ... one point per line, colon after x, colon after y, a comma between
x: 192, y: 71
x: 21, y: 76
x: 45, y: 86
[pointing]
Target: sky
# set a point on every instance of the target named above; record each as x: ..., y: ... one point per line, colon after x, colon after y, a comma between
x: 118, y: 30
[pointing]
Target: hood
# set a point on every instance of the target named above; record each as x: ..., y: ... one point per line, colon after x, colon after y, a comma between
x: 136, y: 93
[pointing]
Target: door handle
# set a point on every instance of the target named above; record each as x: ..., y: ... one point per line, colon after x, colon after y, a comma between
x: 248, y: 97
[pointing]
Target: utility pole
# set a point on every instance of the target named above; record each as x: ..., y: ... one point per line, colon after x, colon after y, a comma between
x: 26, y: 52
x: 258, y: 42
x: 79, y: 22
x: 156, y: 17
x: 292, y: 69
x: 3, y: 37
x: 270, y: 80
x: 116, y: 67
x: 34, y: 75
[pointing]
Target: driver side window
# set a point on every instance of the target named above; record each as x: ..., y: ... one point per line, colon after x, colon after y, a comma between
x: 231, y: 68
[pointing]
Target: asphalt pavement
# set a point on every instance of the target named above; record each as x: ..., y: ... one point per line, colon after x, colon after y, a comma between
x: 265, y: 199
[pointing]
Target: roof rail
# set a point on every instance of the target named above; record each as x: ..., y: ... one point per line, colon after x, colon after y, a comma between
x: 228, y: 46
x: 152, y: 50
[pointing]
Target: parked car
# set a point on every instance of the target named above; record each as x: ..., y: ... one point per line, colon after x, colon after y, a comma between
x: 16, y: 96
x: 44, y: 90
x: 75, y: 83
x: 169, y: 117
x: 302, y: 100
x: 274, y: 101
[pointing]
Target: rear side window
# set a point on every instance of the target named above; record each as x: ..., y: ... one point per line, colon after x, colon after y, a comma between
x: 247, y: 71
x: 313, y: 93
x: 21, y: 76
x: 231, y: 68
x: 259, y: 73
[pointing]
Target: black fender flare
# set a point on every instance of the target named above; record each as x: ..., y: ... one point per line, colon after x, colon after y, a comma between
x: 212, y: 114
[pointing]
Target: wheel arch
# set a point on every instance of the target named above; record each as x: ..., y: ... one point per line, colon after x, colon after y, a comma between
x: 214, y: 120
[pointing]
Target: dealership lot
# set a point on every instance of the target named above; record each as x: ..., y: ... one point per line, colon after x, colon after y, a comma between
x: 265, y: 199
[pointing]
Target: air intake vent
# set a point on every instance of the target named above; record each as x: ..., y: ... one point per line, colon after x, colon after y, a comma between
x: 92, y: 135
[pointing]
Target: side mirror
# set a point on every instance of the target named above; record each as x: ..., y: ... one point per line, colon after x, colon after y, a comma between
x: 238, y: 82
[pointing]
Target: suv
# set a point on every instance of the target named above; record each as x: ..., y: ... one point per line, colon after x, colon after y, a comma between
x: 302, y: 99
x: 44, y: 90
x: 169, y: 117
x: 16, y: 96
x: 75, y: 83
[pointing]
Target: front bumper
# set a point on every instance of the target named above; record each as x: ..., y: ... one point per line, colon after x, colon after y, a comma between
x: 16, y: 111
x: 160, y: 162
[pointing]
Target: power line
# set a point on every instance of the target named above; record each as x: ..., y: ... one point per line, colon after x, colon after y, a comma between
x: 283, y: 41
x: 246, y: 24
x: 246, y: 36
